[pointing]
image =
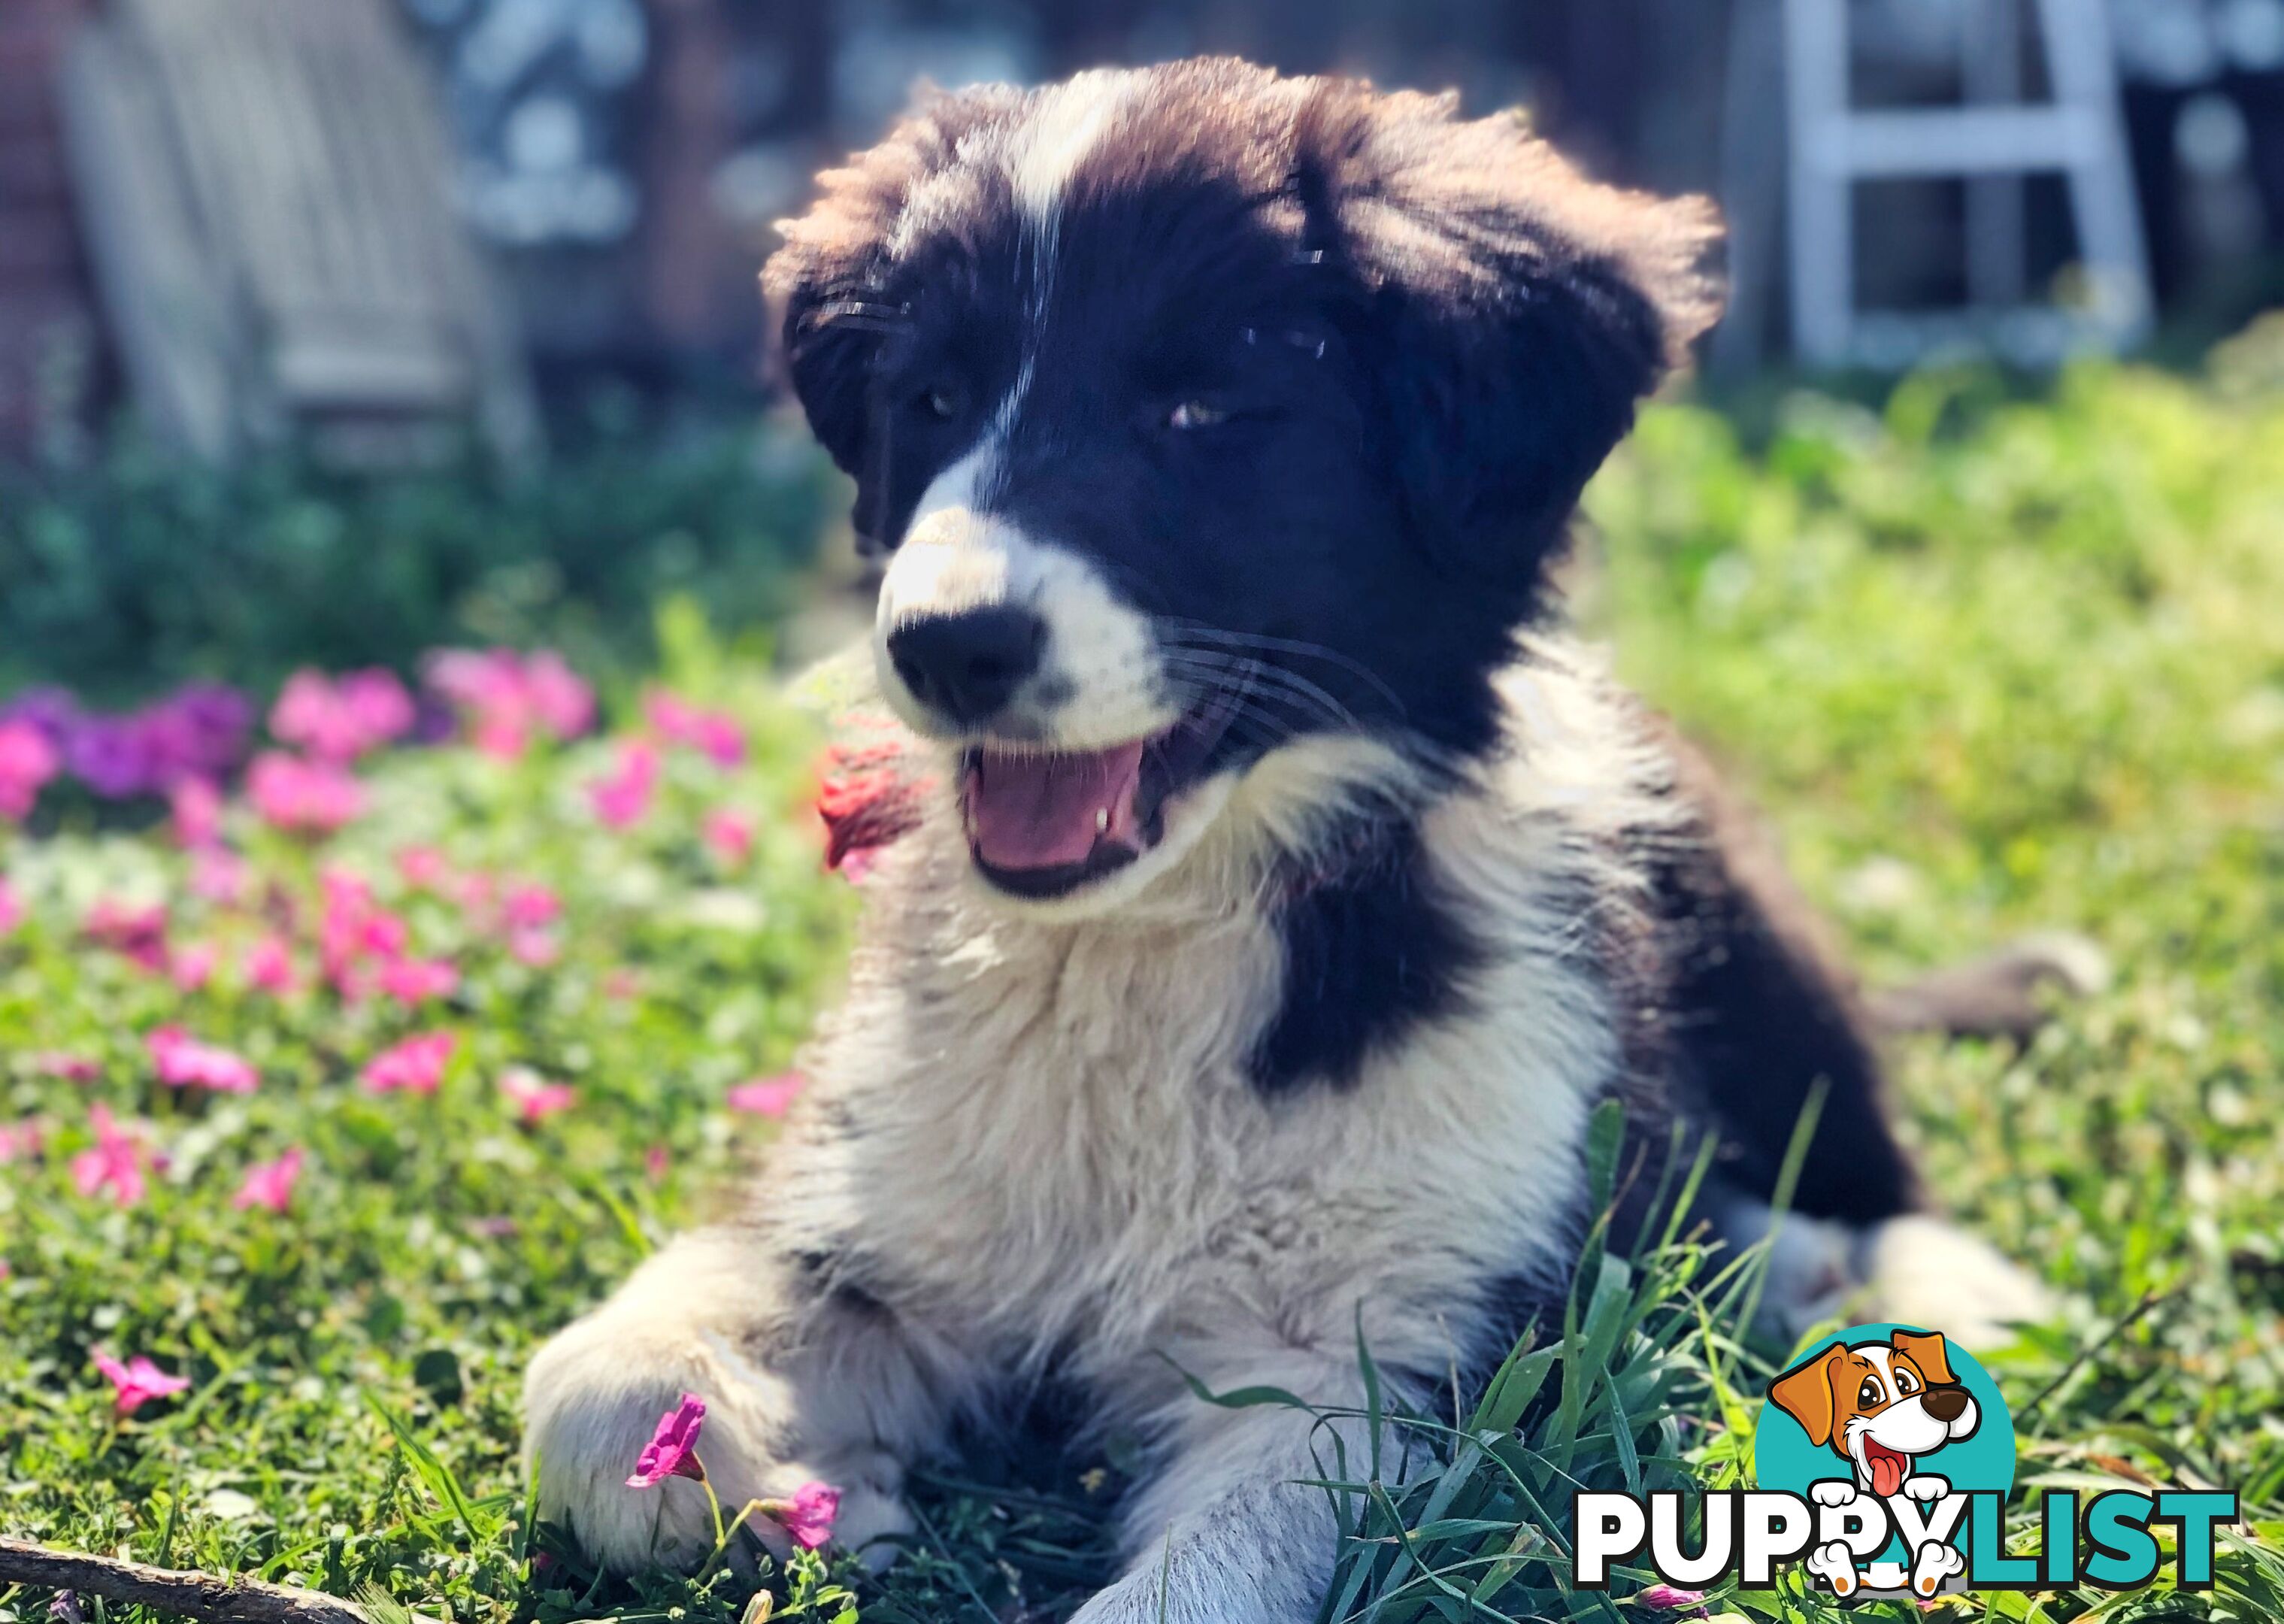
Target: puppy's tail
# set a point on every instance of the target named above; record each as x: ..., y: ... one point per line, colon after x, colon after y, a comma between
x: 2008, y: 994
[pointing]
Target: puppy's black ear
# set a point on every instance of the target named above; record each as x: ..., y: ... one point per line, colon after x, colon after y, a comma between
x: 1514, y: 312
x: 826, y: 283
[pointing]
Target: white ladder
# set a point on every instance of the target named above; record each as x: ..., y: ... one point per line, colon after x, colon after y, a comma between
x: 1993, y: 143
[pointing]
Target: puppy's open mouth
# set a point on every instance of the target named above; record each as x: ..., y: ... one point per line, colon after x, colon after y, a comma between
x: 1044, y: 823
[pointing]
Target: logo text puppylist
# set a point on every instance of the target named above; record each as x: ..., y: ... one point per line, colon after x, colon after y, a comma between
x: 1885, y: 1458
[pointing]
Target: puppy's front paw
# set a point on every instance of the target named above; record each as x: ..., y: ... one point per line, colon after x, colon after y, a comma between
x: 592, y: 1399
x: 1927, y: 1485
x: 1832, y: 1491
x: 1933, y: 1564
x: 1835, y: 1565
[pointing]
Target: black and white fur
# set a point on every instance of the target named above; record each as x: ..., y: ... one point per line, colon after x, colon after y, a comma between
x: 1283, y: 389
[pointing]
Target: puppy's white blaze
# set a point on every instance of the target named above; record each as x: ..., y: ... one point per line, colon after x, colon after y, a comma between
x: 1070, y: 121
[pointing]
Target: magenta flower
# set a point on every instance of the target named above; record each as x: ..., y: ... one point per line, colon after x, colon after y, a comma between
x: 113, y: 1163
x: 218, y: 875
x: 271, y: 1184
x: 183, y: 1062
x: 622, y: 800
x: 192, y: 967
x: 340, y: 720
x: 65, y: 1067
x: 768, y: 1097
x: 529, y: 907
x: 137, y: 1382
x: 1668, y: 1598
x: 28, y: 760
x: 416, y: 1065
x: 312, y: 798
x: 537, y: 948
x: 657, y: 1161
x: 423, y: 868
x: 669, y: 1453
x: 417, y: 980
x: 715, y: 734
x: 809, y: 1516
x: 196, y: 805
x: 535, y: 1098
x: 137, y: 934
x: 729, y: 835
x: 269, y: 966
x: 24, y: 1139
x: 507, y: 697
x: 564, y: 704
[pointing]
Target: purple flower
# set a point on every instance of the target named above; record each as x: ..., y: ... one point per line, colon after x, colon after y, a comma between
x: 111, y: 755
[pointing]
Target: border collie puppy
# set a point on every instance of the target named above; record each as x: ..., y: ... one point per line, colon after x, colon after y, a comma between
x: 1281, y: 894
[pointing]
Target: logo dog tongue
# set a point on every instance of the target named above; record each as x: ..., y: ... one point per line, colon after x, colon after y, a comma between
x: 1886, y: 1468
x: 1047, y: 811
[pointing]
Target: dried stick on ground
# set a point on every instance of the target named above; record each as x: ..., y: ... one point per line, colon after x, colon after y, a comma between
x: 208, y: 1597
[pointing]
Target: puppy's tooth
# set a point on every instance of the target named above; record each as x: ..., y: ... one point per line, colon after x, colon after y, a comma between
x: 1102, y: 820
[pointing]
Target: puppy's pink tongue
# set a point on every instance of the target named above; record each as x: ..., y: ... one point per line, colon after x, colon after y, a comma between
x: 1048, y: 811
x: 1886, y: 1473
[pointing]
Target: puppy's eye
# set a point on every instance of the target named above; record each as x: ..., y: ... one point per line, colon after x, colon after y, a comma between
x: 943, y: 401
x: 1869, y: 1394
x: 1196, y: 414
x: 1904, y: 1384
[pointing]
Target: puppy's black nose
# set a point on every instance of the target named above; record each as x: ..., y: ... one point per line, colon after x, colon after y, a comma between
x: 967, y: 666
x: 1945, y: 1404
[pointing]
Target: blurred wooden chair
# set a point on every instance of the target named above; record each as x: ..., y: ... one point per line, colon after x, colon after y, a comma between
x: 265, y: 187
x: 1993, y: 141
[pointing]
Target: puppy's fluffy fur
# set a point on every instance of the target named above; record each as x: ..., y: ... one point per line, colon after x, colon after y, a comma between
x: 1258, y: 408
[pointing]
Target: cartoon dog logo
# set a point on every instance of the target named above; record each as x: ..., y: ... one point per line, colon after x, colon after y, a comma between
x: 1883, y: 1407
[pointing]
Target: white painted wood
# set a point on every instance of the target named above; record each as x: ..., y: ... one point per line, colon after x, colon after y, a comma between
x: 1992, y: 142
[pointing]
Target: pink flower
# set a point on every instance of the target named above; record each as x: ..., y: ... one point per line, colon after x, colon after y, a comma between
x: 417, y: 1063
x: 809, y: 1516
x: 768, y: 1097
x: 183, y: 1061
x: 622, y: 984
x: 656, y: 1163
x: 416, y: 981
x: 715, y: 734
x: 28, y: 760
x: 535, y: 1098
x: 137, y: 934
x: 197, y: 808
x: 505, y: 696
x: 565, y: 704
x: 529, y: 905
x: 313, y: 798
x: 669, y: 1453
x: 340, y: 722
x: 1668, y: 1598
x: 24, y: 1139
x: 11, y: 907
x: 269, y: 1183
x: 193, y: 966
x: 354, y: 930
x: 65, y: 1067
x: 137, y: 1381
x: 423, y: 868
x: 729, y: 835
x: 622, y: 800
x: 269, y: 966
x: 537, y: 948
x: 218, y: 875
x: 114, y: 1162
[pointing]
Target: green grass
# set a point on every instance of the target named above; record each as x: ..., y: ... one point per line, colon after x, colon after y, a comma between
x: 1991, y: 663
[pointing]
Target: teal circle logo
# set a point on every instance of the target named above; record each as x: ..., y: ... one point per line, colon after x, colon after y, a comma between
x: 1889, y: 1412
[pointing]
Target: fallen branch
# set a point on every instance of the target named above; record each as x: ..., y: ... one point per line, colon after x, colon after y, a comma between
x: 208, y: 1597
